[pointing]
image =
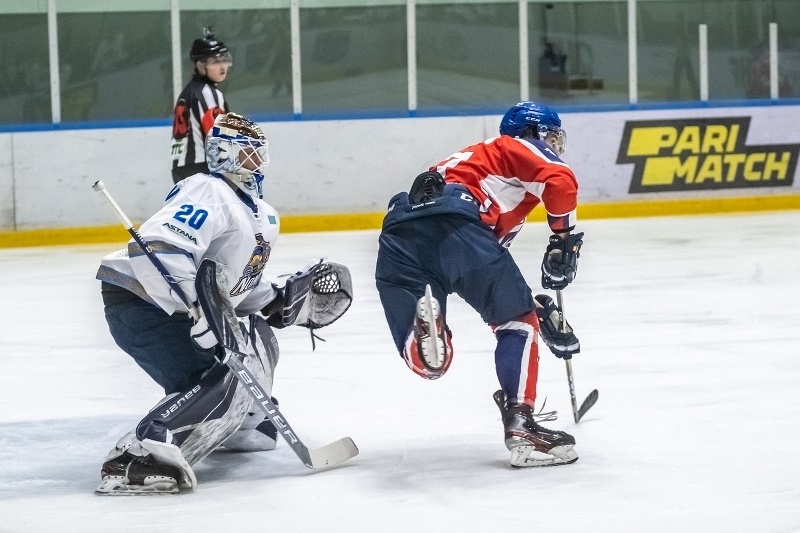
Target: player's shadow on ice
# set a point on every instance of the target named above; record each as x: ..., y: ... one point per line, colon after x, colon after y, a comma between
x: 63, y: 457
x: 56, y: 457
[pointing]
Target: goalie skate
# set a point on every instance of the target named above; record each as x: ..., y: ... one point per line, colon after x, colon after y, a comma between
x: 429, y: 330
x: 530, y: 444
x: 133, y: 475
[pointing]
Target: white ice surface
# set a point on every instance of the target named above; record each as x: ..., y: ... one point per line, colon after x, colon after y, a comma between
x: 690, y: 329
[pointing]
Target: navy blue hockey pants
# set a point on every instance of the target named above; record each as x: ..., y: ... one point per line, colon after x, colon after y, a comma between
x: 158, y: 342
x: 458, y: 255
x: 453, y: 255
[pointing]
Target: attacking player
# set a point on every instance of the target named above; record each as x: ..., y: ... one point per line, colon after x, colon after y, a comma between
x: 219, y: 216
x: 450, y: 234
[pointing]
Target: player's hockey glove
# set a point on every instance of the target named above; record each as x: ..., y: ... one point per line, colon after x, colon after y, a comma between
x: 560, y: 263
x: 563, y: 344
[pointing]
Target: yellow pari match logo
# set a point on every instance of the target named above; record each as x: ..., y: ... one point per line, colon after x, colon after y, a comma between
x: 709, y: 153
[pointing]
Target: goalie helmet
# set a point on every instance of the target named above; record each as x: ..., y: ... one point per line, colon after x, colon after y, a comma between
x: 237, y: 148
x: 208, y: 47
x: 532, y: 120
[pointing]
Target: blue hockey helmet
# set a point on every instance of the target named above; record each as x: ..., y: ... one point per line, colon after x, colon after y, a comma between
x: 531, y: 120
x: 236, y: 147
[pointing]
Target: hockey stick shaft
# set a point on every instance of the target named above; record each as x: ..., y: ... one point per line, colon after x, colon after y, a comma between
x: 577, y: 413
x: 247, y: 379
x: 568, y: 362
x: 100, y: 187
x: 264, y: 400
x: 328, y: 455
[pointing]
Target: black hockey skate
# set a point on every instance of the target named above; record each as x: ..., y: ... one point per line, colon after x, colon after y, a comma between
x: 129, y: 474
x: 531, y: 444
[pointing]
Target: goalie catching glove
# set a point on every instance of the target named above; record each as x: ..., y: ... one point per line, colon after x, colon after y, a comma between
x: 563, y: 344
x: 313, y: 298
x: 560, y: 263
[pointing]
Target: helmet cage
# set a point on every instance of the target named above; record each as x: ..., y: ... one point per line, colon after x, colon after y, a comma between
x: 554, y: 136
x: 240, y: 156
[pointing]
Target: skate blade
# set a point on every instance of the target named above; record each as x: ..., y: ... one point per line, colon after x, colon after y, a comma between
x: 118, y: 486
x: 432, y: 348
x: 433, y: 353
x: 529, y: 457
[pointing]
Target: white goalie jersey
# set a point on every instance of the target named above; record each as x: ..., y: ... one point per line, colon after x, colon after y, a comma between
x: 202, y: 217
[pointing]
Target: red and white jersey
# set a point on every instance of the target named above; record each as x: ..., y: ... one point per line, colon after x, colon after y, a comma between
x: 510, y: 177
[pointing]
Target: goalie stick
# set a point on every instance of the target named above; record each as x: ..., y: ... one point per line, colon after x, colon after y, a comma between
x: 329, y: 455
x: 221, y: 317
x: 590, y: 400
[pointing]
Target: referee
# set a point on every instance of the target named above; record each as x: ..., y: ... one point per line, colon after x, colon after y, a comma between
x: 198, y: 105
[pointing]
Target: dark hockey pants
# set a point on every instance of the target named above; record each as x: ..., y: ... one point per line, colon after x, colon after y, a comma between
x: 457, y: 255
x: 158, y: 342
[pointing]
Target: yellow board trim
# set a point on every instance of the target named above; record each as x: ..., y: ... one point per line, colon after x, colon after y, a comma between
x: 365, y: 221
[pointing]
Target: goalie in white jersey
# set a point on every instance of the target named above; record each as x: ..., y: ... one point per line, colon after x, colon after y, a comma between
x: 219, y: 216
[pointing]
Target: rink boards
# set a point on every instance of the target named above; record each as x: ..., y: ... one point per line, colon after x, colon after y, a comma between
x: 339, y: 174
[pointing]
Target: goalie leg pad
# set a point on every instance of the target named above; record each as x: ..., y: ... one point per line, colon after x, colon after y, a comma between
x: 201, y: 419
x: 256, y: 433
x: 185, y: 427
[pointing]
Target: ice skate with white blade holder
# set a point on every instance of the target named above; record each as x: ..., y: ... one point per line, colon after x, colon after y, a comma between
x: 530, y: 444
x: 429, y: 330
x: 127, y: 474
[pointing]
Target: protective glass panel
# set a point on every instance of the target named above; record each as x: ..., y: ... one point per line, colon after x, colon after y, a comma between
x: 578, y: 52
x: 115, y: 65
x: 668, y: 50
x: 467, y: 56
x: 24, y: 69
x: 787, y: 15
x: 260, y: 81
x: 354, y: 59
x: 738, y: 48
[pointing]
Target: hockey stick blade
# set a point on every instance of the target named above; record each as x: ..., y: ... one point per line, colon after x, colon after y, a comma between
x: 577, y: 413
x: 222, y: 320
x: 587, y: 404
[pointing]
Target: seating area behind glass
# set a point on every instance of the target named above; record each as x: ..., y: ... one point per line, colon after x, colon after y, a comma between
x: 115, y: 62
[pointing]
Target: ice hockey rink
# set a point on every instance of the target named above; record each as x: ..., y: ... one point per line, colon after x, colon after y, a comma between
x: 690, y: 330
